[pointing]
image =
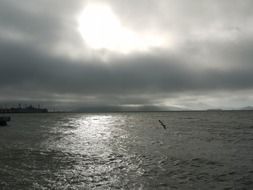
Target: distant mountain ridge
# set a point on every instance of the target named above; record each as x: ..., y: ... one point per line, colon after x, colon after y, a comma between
x: 247, y: 108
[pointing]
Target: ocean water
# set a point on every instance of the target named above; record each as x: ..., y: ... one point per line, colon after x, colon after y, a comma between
x: 198, y: 150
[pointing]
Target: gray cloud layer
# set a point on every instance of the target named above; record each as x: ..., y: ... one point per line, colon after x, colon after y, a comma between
x: 213, y: 54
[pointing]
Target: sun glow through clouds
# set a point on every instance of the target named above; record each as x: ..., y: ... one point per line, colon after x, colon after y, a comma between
x: 101, y: 29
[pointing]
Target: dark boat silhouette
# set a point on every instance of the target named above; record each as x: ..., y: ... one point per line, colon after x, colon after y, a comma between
x: 4, y: 120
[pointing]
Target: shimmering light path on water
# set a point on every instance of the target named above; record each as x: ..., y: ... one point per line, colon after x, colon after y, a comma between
x: 198, y: 150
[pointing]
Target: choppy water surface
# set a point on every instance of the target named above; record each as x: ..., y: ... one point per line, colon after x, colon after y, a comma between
x: 198, y: 150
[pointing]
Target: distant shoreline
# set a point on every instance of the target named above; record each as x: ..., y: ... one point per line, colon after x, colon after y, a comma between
x: 77, y: 112
x: 27, y: 109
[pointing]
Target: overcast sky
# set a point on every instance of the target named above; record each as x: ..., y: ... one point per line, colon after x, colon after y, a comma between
x: 127, y: 54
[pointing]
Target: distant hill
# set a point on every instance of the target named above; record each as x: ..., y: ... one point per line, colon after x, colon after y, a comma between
x: 247, y: 108
x: 145, y: 108
x: 217, y: 109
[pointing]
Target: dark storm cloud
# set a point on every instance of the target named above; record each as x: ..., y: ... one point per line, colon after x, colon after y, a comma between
x: 25, y: 68
x: 41, y: 23
x: 204, y: 61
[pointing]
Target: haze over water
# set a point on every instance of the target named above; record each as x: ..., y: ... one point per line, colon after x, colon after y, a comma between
x: 198, y: 150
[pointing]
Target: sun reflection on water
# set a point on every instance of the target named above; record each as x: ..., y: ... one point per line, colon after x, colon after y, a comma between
x: 91, y: 133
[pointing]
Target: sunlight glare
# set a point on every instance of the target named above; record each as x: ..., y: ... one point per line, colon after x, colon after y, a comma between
x: 101, y: 29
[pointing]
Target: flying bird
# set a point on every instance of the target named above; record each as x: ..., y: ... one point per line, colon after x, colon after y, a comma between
x: 162, y: 124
